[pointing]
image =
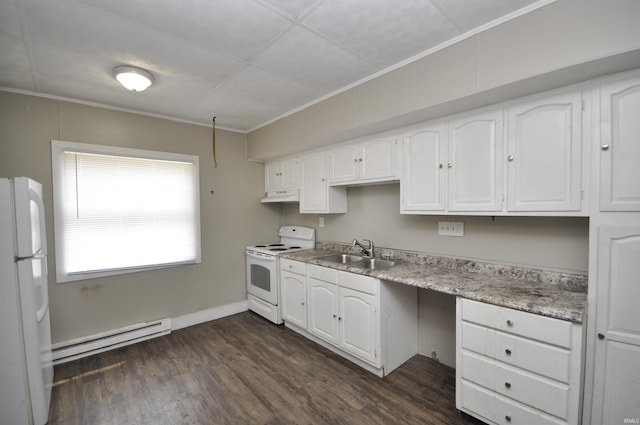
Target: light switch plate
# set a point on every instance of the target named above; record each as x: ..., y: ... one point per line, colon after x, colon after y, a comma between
x: 451, y: 228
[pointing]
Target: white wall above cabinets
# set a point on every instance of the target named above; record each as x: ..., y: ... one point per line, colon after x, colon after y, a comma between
x: 371, y: 160
x: 316, y: 196
x: 473, y: 162
x: 281, y: 174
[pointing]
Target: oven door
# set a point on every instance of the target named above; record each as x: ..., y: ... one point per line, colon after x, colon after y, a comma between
x: 262, y: 276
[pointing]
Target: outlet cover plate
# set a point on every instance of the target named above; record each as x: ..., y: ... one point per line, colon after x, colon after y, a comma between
x: 451, y: 228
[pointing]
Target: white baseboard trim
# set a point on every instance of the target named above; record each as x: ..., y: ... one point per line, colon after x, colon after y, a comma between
x: 109, y: 340
x: 207, y: 315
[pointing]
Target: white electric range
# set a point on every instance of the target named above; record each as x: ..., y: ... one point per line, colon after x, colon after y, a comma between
x: 263, y: 269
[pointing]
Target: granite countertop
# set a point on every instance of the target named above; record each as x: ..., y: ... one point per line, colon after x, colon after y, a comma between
x: 545, y: 293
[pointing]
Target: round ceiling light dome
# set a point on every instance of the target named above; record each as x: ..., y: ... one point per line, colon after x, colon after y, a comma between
x: 132, y: 78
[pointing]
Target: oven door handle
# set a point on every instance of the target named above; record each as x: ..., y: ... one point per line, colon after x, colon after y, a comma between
x: 260, y: 257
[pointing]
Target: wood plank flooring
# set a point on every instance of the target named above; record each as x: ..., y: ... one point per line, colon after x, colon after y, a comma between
x: 244, y: 370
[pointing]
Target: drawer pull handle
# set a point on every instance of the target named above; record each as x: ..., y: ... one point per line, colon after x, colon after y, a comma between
x: 507, y: 384
x: 600, y: 336
x: 509, y: 323
x: 507, y: 418
x: 508, y: 351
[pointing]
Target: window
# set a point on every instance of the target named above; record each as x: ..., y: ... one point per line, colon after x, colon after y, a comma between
x: 119, y: 210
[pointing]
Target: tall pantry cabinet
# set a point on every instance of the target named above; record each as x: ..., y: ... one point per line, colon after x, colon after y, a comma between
x: 612, y: 381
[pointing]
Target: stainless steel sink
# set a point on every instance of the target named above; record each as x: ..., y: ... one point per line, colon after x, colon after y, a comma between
x: 342, y: 258
x: 357, y: 261
x: 376, y: 263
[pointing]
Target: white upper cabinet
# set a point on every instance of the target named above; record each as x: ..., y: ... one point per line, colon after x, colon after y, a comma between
x: 422, y: 186
x: 474, y: 165
x: 453, y: 166
x: 281, y: 174
x: 620, y: 144
x: 315, y: 194
x: 544, y: 153
x: 367, y: 161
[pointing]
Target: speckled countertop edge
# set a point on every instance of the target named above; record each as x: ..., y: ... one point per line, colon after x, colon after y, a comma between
x: 489, y: 285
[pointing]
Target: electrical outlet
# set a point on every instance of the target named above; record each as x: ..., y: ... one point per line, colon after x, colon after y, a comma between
x: 320, y: 221
x: 451, y: 228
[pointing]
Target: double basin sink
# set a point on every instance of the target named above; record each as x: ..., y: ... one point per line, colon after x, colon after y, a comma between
x: 357, y: 261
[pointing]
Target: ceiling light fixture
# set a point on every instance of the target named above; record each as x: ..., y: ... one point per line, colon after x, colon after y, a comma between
x: 132, y: 78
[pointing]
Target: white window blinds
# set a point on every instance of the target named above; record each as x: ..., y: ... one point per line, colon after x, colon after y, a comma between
x: 123, y: 210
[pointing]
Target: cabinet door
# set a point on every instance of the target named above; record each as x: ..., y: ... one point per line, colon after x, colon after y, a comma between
x: 290, y: 173
x: 358, y: 324
x: 344, y: 163
x: 620, y: 146
x: 378, y: 158
x: 616, y: 386
x: 422, y: 187
x: 474, y: 167
x: 313, y: 184
x: 544, y: 158
x: 294, y: 298
x: 323, y: 310
x: 272, y: 176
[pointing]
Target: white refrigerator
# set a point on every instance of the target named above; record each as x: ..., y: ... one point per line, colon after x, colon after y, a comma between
x: 26, y: 369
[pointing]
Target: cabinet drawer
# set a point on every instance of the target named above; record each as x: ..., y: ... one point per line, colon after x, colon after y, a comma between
x: 545, y: 329
x: 543, y: 394
x: 499, y: 409
x: 543, y: 359
x: 366, y: 284
x: 323, y: 273
x: 293, y: 266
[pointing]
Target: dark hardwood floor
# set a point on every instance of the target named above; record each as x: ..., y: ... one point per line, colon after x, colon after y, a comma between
x: 244, y: 370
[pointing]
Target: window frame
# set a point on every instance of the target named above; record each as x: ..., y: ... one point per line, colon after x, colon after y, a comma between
x: 58, y: 147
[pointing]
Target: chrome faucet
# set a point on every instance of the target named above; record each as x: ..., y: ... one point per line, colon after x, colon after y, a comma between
x: 366, y: 251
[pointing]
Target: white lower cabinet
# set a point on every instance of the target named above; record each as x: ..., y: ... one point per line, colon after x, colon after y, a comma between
x: 368, y: 321
x: 515, y: 367
x: 293, y: 287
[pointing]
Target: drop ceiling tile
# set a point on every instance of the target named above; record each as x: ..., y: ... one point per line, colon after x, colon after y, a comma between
x: 383, y: 32
x: 9, y: 20
x: 71, y: 74
x: 472, y: 14
x: 303, y: 56
x: 241, y: 28
x: 293, y: 8
x: 94, y: 33
x: 253, y: 84
x: 14, y: 64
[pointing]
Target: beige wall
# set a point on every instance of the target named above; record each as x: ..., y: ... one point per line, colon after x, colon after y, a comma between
x: 561, y: 43
x: 550, y: 243
x: 231, y: 218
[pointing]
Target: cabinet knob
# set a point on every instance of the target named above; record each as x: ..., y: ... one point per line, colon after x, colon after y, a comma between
x: 334, y: 316
x: 507, y: 384
x: 302, y: 302
x: 600, y: 336
x: 509, y: 323
x: 355, y: 159
x: 322, y: 179
x: 440, y: 166
x: 507, y: 418
x: 290, y: 266
x: 339, y: 318
x: 510, y: 157
x: 604, y: 147
x: 449, y: 165
x: 360, y: 160
x: 508, y: 351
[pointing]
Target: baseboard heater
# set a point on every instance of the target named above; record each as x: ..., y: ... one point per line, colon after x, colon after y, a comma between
x: 93, y: 344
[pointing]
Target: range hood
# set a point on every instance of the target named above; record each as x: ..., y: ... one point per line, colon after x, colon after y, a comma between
x: 290, y: 195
